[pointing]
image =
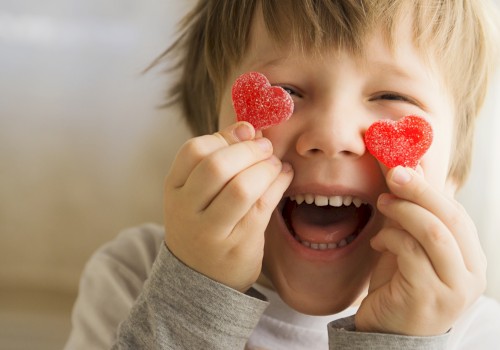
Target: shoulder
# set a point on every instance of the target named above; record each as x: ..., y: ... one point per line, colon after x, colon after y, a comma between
x: 110, y: 283
x: 133, y: 250
x: 479, y: 327
x: 123, y: 263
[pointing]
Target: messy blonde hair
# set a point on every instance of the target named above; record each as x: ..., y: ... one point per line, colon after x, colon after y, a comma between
x: 458, y: 34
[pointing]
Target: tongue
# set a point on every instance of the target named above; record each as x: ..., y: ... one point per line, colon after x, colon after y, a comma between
x: 324, y: 224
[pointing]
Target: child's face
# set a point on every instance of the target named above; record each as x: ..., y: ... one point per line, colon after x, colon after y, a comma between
x: 337, y: 97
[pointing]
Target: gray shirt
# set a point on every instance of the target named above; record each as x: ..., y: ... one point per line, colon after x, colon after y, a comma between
x: 134, y: 294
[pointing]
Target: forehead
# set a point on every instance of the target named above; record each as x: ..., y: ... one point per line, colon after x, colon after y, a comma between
x: 396, y: 54
x: 324, y: 25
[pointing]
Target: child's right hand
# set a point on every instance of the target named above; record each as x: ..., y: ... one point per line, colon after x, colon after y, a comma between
x: 218, y: 199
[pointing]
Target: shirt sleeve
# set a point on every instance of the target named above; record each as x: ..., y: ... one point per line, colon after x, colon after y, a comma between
x: 342, y: 335
x: 182, y: 309
x: 134, y: 294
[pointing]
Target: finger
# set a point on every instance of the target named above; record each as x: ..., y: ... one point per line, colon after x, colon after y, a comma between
x: 435, y: 238
x: 238, y: 132
x: 408, y: 184
x: 386, y: 264
x: 413, y: 263
x: 242, y: 192
x: 384, y: 270
x: 214, y: 172
x: 196, y: 149
x: 260, y: 213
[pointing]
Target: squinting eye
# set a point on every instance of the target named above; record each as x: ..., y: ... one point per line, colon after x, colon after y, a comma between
x: 393, y: 97
x: 290, y: 91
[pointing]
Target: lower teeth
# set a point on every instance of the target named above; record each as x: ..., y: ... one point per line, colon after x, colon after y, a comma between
x: 325, y: 246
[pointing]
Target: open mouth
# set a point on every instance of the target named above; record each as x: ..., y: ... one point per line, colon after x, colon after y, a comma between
x: 325, y: 223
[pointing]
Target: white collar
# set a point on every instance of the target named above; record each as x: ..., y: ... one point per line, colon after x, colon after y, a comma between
x: 281, y: 327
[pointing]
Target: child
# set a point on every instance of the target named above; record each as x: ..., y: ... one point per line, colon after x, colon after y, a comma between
x: 242, y: 260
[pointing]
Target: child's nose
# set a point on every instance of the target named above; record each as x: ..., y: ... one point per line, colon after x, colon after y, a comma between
x: 333, y: 135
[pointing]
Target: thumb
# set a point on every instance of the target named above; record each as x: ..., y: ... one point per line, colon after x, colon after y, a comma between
x: 238, y: 132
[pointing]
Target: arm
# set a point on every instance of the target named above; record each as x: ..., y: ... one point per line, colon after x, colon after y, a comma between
x: 182, y: 309
x: 478, y: 328
x: 215, y: 217
x: 113, y: 291
x: 342, y: 334
x: 218, y: 197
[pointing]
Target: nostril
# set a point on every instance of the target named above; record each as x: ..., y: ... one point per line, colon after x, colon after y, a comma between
x: 318, y: 151
x: 325, y: 142
x: 348, y: 153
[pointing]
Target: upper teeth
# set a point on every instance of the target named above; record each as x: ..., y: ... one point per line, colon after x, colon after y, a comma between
x: 321, y: 201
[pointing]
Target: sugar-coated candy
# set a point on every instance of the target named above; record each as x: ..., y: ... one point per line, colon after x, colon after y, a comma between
x: 259, y: 103
x: 402, y: 142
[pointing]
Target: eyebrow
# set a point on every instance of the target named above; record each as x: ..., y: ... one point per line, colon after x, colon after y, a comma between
x: 268, y: 56
x: 392, y: 69
x: 263, y: 62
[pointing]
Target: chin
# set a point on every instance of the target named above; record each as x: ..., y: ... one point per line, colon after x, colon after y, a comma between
x: 313, y: 295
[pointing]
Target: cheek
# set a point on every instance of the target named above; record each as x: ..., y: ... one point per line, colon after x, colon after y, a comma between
x: 225, y: 120
x: 281, y: 138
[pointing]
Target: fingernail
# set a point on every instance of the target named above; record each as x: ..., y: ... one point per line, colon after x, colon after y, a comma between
x: 264, y: 144
x: 401, y: 175
x: 243, y: 132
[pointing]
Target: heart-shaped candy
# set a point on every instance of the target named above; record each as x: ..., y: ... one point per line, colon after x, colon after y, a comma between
x: 259, y: 103
x: 402, y: 142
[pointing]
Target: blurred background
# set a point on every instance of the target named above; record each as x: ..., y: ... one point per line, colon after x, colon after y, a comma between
x: 84, y: 149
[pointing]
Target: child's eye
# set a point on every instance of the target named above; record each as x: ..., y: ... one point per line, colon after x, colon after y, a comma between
x: 291, y: 91
x: 393, y: 97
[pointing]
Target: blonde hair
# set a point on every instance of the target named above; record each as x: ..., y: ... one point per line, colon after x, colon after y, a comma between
x: 460, y: 35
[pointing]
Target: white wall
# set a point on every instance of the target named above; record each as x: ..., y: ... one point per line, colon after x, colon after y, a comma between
x: 83, y: 146
x: 83, y: 149
x: 480, y: 196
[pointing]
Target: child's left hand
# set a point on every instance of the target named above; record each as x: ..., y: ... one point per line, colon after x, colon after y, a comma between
x: 431, y: 267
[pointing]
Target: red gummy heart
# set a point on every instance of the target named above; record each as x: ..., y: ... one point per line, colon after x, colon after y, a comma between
x: 401, y: 142
x: 259, y: 103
